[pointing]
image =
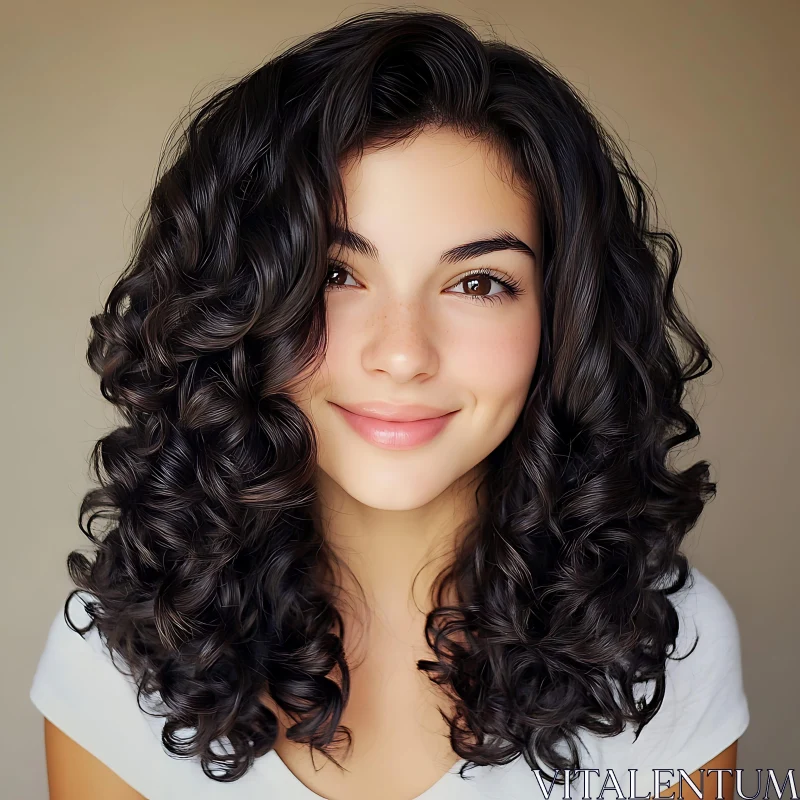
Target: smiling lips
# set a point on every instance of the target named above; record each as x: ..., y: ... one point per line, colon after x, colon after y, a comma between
x: 395, y: 427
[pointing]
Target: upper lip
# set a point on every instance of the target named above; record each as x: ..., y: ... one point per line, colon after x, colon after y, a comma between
x: 396, y: 413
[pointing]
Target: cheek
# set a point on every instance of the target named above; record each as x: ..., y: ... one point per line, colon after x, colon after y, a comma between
x: 345, y: 339
x: 496, y: 360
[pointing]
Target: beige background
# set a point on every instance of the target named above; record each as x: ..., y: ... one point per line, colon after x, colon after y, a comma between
x: 703, y: 93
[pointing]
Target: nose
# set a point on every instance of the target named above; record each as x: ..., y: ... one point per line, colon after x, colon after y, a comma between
x: 401, y: 344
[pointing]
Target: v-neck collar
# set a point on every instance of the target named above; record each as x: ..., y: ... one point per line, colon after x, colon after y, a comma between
x: 449, y: 787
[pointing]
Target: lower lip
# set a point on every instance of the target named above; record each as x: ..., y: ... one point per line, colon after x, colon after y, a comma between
x: 395, y: 435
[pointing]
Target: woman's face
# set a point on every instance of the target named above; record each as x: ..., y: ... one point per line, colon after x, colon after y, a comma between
x: 406, y: 327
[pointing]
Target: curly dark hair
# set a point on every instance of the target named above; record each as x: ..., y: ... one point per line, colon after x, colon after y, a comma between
x: 209, y: 578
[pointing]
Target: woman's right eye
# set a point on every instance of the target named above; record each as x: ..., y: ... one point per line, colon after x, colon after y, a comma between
x: 337, y: 275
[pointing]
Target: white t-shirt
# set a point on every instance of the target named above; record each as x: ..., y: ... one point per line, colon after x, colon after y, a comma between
x: 705, y: 709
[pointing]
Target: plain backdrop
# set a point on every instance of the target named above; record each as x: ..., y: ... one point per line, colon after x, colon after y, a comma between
x: 704, y: 95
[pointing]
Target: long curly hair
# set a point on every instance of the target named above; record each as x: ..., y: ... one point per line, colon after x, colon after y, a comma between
x: 210, y: 572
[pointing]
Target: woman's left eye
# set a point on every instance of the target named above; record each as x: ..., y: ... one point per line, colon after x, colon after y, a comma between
x: 477, y: 281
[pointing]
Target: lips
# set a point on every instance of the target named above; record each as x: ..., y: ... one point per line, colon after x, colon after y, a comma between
x: 394, y: 434
x: 396, y: 413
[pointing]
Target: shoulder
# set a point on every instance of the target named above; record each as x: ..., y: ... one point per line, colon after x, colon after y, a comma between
x: 703, y: 610
x: 705, y: 706
x: 76, y: 660
x: 90, y: 697
x: 63, y: 641
x: 704, y: 673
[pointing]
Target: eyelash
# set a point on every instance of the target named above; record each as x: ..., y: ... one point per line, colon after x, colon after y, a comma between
x: 512, y: 286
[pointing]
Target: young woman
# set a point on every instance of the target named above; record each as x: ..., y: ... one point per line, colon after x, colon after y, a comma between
x: 391, y: 513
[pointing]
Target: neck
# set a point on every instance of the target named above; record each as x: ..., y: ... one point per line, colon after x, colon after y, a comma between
x: 393, y: 557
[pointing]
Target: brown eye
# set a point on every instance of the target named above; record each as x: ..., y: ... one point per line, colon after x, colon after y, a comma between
x: 480, y: 285
x: 337, y: 274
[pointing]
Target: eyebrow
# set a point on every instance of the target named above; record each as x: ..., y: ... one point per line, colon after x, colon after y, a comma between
x: 501, y: 240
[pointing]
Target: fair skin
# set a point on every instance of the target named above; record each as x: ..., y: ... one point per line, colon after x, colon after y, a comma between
x: 404, y: 326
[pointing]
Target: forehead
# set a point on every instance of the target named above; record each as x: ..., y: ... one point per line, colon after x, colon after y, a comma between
x: 433, y: 190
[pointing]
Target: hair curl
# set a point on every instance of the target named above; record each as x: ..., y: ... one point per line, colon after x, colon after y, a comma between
x: 208, y: 580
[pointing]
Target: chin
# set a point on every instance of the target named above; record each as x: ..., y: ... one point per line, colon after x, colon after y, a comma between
x: 392, y: 493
